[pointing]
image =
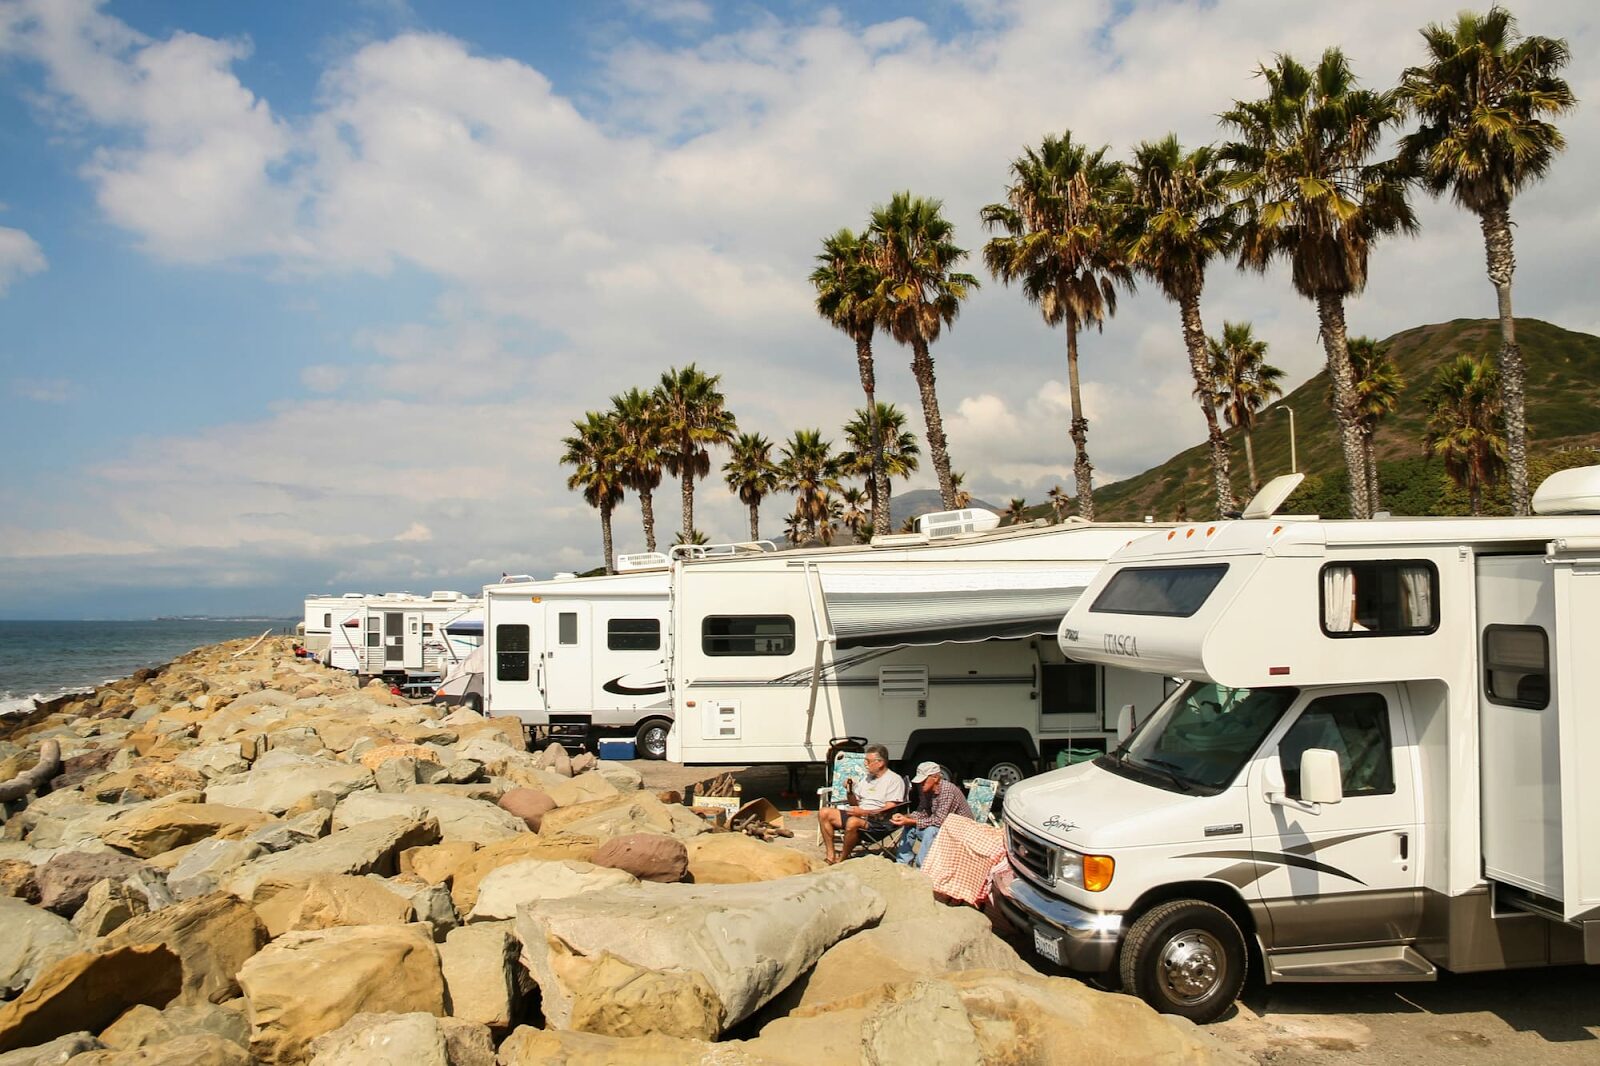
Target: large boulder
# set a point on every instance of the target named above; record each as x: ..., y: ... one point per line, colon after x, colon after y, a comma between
x: 429, y: 903
x: 459, y: 818
x: 528, y: 804
x: 291, y: 832
x: 144, y: 1026
x: 30, y: 940
x: 325, y: 901
x: 216, y: 760
x: 639, y: 812
x: 17, y: 880
x: 150, y: 831
x: 470, y: 871
x: 622, y: 778
x: 508, y: 887
x: 65, y: 880
x: 549, y: 1047
x: 146, y: 780
x: 305, y: 984
x: 89, y: 991
x: 565, y: 791
x: 276, y: 788
x: 748, y: 942
x: 368, y: 848
x: 479, y: 963
x: 647, y: 856
x: 213, y: 935
x: 193, y: 1049
x: 57, y: 1052
x: 205, y: 865
x: 415, y: 1039
x: 108, y: 905
x: 737, y: 858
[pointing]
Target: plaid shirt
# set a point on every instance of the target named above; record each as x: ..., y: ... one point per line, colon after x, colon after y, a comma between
x: 946, y: 800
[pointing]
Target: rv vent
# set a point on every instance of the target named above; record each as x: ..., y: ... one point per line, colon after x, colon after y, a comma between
x: 952, y: 523
x: 903, y: 682
x: 354, y: 595
x: 444, y: 597
x: 641, y: 561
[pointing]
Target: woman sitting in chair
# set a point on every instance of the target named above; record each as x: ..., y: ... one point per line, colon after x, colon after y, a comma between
x: 875, y: 797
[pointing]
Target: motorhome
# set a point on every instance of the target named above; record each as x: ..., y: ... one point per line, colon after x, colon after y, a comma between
x: 937, y: 644
x: 1373, y: 771
x: 580, y: 657
x: 323, y: 615
x: 402, y: 636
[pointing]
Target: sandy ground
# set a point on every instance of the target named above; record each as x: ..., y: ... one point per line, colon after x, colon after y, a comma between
x: 1531, y: 1017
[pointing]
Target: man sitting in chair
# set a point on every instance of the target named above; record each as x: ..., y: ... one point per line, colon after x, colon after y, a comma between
x: 937, y: 799
x: 875, y: 797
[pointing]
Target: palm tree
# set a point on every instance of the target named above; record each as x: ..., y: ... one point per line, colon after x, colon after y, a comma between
x: 795, y: 527
x: 694, y: 419
x: 847, y: 283
x: 1378, y: 387
x: 693, y: 536
x: 1015, y: 511
x: 1244, y: 381
x: 1061, y: 246
x: 1484, y: 100
x: 1465, y: 424
x: 900, y: 452
x: 592, y: 453
x: 1177, y: 218
x: 751, y: 475
x: 852, y: 515
x: 1060, y: 501
x: 806, y: 468
x: 920, y: 294
x: 963, y: 498
x: 1310, y: 193
x: 639, y: 440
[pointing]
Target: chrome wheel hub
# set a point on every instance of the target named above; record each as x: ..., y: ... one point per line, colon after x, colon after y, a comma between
x: 655, y: 741
x: 1192, y: 966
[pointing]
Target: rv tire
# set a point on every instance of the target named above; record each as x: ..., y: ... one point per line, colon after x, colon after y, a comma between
x: 651, y: 740
x: 1005, y: 768
x: 1185, y: 957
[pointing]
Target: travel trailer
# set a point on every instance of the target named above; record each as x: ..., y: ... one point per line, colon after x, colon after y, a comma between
x: 323, y: 615
x: 402, y: 636
x: 1376, y: 767
x: 936, y: 644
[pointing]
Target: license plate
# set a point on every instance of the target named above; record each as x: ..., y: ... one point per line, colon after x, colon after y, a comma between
x: 1047, y: 944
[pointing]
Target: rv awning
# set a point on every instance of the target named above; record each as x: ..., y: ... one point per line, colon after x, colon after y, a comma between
x: 465, y: 627
x: 942, y: 606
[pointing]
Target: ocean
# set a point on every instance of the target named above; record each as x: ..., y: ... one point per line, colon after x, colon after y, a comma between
x: 41, y: 660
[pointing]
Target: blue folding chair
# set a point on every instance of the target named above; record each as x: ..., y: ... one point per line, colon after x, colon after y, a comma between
x: 875, y: 839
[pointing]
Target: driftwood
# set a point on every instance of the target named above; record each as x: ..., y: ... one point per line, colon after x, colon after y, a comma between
x: 253, y: 643
x: 48, y: 766
x: 721, y: 785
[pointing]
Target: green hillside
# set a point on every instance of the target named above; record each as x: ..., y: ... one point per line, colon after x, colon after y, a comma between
x: 1563, y: 404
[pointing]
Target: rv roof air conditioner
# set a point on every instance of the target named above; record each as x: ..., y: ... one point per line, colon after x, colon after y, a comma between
x: 354, y: 596
x: 516, y: 579
x: 641, y: 561
x: 954, y: 523
x: 444, y: 597
x: 719, y: 551
x: 563, y: 575
x: 1575, y: 491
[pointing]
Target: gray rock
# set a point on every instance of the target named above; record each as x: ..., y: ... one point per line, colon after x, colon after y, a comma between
x: 30, y: 940
x: 55, y: 1053
x: 275, y: 787
x: 292, y: 832
x: 623, y: 778
x: 214, y: 760
x: 429, y: 903
x: 363, y: 849
x: 508, y: 887
x: 479, y: 965
x: 205, y: 865
x: 108, y: 905
x: 383, y: 1040
x: 143, y: 1026
x: 460, y: 818
x: 395, y: 775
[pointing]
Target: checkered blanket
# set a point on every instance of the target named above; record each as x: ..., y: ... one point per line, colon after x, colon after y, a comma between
x: 962, y: 855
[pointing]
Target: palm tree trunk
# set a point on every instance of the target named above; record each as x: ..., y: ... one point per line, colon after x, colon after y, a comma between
x: 1194, y: 337
x: 1475, y: 496
x: 647, y: 509
x: 938, y: 452
x: 605, y: 535
x: 880, y: 515
x: 755, y: 521
x: 1335, y: 344
x: 687, y: 472
x: 1250, y: 460
x: 1370, y: 457
x: 1081, y: 468
x: 1502, y: 261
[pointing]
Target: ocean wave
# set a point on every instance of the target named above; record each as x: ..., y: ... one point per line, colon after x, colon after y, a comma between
x: 10, y: 704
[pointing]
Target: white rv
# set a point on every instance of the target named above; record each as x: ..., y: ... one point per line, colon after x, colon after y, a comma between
x: 323, y: 615
x: 402, y: 636
x: 937, y: 646
x: 1374, y: 770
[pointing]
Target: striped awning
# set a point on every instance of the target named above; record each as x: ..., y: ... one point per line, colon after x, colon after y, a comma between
x: 949, y: 604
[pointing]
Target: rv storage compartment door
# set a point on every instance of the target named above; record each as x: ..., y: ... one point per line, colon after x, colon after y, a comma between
x: 1577, y: 692
x: 719, y: 719
x: 1519, y: 744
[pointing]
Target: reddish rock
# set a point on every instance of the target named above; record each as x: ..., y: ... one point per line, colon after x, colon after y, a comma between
x: 647, y: 856
x: 529, y: 804
x: 65, y: 880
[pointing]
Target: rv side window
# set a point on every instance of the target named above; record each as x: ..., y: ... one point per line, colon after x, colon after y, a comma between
x: 1516, y: 666
x: 327, y: 620
x: 510, y: 653
x: 567, y: 627
x: 373, y: 633
x: 747, y: 634
x: 633, y: 634
x: 1380, y: 599
x: 1172, y: 591
x: 1355, y: 726
x: 1069, y: 688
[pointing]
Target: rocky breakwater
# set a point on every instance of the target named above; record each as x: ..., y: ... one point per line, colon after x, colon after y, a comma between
x: 243, y: 857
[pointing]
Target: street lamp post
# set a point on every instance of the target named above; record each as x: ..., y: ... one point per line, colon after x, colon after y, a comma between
x: 1294, y: 465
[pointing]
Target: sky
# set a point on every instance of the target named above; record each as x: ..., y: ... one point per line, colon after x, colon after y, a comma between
x: 302, y: 297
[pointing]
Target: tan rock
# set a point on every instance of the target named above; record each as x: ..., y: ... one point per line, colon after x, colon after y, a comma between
x: 195, y: 1049
x: 325, y: 901
x: 89, y: 991
x: 508, y: 887
x: 149, y: 780
x: 151, y: 831
x: 380, y: 755
x: 305, y: 984
x: 618, y: 998
x: 383, y: 1040
x: 528, y: 804
x: 475, y: 867
x: 144, y: 1026
x: 108, y: 905
x: 212, y: 935
x: 638, y: 812
x: 436, y: 863
x: 31, y: 939
x: 479, y: 965
x: 736, y: 858
x: 17, y: 880
x: 547, y: 1047
x: 370, y: 848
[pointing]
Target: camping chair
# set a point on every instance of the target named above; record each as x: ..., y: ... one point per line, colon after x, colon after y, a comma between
x: 980, y: 797
x: 874, y: 839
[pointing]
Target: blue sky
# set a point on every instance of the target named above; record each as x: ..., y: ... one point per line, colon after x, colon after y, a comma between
x: 301, y: 296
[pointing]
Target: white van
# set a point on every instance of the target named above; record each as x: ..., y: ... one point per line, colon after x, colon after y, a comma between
x: 1375, y: 769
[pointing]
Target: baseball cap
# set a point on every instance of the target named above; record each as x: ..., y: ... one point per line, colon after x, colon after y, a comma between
x: 926, y: 770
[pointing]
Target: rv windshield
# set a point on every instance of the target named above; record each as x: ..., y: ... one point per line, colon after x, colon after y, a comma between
x: 1198, y: 739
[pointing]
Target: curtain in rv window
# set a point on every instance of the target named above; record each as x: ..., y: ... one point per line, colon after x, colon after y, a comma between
x: 511, y: 653
x: 633, y: 634
x: 747, y: 634
x: 1380, y: 598
x: 1170, y: 591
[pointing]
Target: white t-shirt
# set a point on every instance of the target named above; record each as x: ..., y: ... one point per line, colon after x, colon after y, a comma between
x: 885, y: 790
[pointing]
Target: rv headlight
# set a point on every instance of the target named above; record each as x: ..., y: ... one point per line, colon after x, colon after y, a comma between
x: 1092, y: 873
x: 1067, y: 867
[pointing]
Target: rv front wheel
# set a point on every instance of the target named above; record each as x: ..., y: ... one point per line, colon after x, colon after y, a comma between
x: 651, y: 742
x: 1185, y: 957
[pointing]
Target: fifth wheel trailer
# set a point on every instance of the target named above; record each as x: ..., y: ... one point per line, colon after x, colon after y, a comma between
x: 401, y: 635
x: 1380, y: 765
x: 937, y: 647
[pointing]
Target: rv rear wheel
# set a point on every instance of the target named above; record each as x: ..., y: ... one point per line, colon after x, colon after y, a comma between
x: 1005, y: 768
x: 1185, y: 957
x: 651, y: 741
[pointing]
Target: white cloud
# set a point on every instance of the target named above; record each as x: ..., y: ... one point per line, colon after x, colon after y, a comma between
x: 694, y: 11
x: 323, y: 378
x: 20, y: 255
x: 44, y: 390
x: 415, y: 533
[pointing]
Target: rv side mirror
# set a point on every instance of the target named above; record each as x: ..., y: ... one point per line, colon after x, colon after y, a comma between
x: 1125, y: 722
x: 1320, y: 778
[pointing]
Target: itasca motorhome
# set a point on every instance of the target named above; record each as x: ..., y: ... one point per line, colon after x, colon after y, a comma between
x: 937, y: 646
x: 1378, y: 767
x: 401, y: 636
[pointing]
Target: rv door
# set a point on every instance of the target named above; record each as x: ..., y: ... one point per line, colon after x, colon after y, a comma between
x: 568, y: 658
x: 1575, y: 673
x: 413, y: 643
